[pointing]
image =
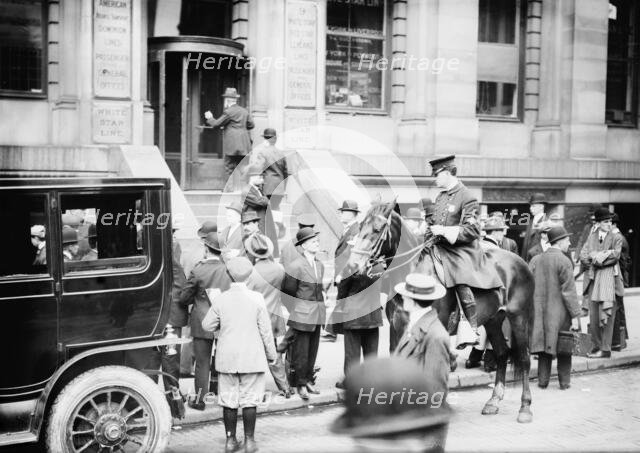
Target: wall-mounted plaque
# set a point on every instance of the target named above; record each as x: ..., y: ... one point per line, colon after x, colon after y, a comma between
x: 300, y: 129
x: 111, y: 122
x: 112, y: 48
x: 301, y: 53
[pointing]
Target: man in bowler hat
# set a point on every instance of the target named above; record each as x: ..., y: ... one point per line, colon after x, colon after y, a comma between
x: 303, y: 284
x: 537, y: 205
x: 210, y: 273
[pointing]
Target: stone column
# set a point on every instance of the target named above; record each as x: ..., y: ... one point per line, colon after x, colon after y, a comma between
x: 532, y: 60
x: 240, y: 21
x: 399, y: 51
x: 456, y: 124
x: 259, y: 46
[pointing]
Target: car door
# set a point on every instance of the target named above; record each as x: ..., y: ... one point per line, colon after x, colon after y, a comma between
x: 28, y: 299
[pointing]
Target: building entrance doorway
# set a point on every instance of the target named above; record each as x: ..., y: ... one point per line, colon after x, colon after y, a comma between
x: 182, y: 87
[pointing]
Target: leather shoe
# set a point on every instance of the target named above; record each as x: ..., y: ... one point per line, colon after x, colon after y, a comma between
x: 599, y: 355
x: 340, y: 385
x: 281, y: 348
x: 312, y: 390
x: 197, y: 406
x: 250, y: 445
x: 302, y: 391
x: 232, y: 445
x: 564, y: 386
x: 471, y: 364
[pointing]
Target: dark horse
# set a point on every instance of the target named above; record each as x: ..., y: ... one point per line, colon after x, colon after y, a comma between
x: 384, y: 238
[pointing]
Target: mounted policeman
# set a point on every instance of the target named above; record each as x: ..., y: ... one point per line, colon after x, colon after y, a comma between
x: 455, y: 224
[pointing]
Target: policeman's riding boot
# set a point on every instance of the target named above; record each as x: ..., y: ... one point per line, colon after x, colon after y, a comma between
x: 230, y: 417
x: 468, y: 302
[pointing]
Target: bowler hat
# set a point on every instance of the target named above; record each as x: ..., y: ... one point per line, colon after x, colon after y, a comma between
x: 69, y: 235
x: 615, y: 218
x: 250, y: 216
x: 269, y: 132
x: 72, y: 220
x: 494, y: 223
x: 239, y: 268
x: 209, y: 226
x: 304, y: 234
x: 306, y: 220
x: 441, y: 163
x: 537, y: 198
x: 230, y: 92
x: 349, y: 205
x: 413, y: 214
x: 370, y: 412
x: 556, y: 233
x: 38, y: 231
x: 259, y: 246
x: 212, y: 242
x: 603, y: 214
x: 91, y: 231
x: 421, y: 287
x: 235, y: 206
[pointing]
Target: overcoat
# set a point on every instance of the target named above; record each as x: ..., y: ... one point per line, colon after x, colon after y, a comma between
x: 178, y: 315
x: 555, y: 300
x: 266, y: 279
x: 532, y: 235
x: 289, y: 253
x: 245, y: 341
x: 509, y: 244
x: 235, y: 122
x: 306, y: 302
x: 358, y: 303
x: 428, y: 343
x: 208, y: 273
x: 342, y: 249
x: 274, y: 164
x: 463, y: 261
x: 254, y: 199
x: 233, y: 242
x: 595, y: 267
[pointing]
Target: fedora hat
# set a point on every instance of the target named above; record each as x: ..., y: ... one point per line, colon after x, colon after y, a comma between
x: 421, y: 287
x: 212, y: 242
x: 413, y: 214
x: 239, y: 268
x: 259, y: 246
x: 230, y: 92
x: 349, y: 205
x: 370, y: 417
x: 603, y: 214
x: 235, y: 206
x: 250, y: 216
x: 494, y: 224
x: 304, y: 234
x: 269, y: 132
x: 209, y: 226
x: 554, y: 234
x: 538, y: 198
x: 69, y: 235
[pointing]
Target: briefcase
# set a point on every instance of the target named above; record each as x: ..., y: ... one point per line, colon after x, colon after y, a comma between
x: 574, y: 343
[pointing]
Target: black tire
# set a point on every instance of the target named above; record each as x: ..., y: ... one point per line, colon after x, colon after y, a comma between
x: 98, y: 408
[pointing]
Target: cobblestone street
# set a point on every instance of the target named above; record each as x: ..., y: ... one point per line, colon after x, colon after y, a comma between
x: 604, y: 415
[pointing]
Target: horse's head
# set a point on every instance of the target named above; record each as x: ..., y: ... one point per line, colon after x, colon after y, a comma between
x: 376, y: 237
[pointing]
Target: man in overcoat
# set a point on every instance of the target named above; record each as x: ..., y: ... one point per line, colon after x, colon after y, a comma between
x: 303, y: 283
x: 620, y: 328
x: 231, y: 236
x: 504, y: 242
x: 273, y: 163
x: 254, y: 199
x: 210, y: 273
x: 235, y: 122
x: 537, y: 205
x: 602, y: 282
x: 456, y: 224
x: 290, y: 251
x: 266, y: 279
x: 555, y: 306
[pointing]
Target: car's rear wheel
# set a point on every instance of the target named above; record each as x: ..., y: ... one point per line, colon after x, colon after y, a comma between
x: 109, y: 409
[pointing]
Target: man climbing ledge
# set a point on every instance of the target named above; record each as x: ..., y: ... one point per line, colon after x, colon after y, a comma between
x: 455, y: 222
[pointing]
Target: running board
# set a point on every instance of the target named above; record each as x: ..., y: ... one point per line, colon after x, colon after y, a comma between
x: 23, y: 437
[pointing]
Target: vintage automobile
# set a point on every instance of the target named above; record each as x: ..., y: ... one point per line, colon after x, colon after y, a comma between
x: 85, y: 281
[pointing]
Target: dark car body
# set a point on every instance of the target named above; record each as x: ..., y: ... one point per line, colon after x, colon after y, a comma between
x: 73, y: 314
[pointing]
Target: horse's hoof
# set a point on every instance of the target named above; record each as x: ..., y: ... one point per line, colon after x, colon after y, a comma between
x: 490, y: 409
x: 525, y: 416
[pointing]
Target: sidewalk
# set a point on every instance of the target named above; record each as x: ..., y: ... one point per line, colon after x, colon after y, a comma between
x: 330, y: 359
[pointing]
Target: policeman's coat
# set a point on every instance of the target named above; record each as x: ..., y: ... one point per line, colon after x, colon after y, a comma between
x: 463, y: 261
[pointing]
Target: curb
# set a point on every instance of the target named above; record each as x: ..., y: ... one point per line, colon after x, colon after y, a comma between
x: 457, y: 381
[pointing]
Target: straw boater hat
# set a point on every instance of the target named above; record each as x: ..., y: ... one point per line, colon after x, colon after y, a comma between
x: 250, y: 216
x: 494, y: 224
x: 413, y: 214
x: 421, y: 287
x: 259, y: 246
x: 38, y: 231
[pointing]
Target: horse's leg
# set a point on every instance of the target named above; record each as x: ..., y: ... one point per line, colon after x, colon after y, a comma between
x: 494, y: 334
x: 521, y: 358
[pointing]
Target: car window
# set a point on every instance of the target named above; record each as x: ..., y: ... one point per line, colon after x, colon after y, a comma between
x: 24, y: 235
x: 102, y: 231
